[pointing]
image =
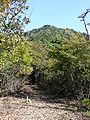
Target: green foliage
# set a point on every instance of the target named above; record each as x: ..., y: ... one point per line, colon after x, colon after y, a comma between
x: 74, y: 62
x: 50, y: 34
x: 13, y: 16
x: 15, y: 59
x: 39, y: 54
x: 86, y: 102
x: 62, y: 60
x: 15, y: 51
x: 87, y: 113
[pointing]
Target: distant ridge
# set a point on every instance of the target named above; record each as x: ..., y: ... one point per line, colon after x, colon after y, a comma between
x: 49, y: 33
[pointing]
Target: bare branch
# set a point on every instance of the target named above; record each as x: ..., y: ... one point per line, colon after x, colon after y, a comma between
x: 82, y: 17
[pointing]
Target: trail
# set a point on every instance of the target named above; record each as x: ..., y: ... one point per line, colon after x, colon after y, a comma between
x: 40, y: 107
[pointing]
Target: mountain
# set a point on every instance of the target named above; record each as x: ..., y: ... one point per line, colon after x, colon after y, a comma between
x: 49, y: 33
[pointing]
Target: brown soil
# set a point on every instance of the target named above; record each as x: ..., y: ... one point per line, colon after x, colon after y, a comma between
x: 39, y: 107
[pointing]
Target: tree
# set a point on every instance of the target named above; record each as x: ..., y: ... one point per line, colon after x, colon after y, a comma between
x: 83, y: 18
x: 15, y: 51
x: 13, y: 16
x: 15, y: 62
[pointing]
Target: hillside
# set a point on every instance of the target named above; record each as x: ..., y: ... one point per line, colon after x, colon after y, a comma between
x: 49, y: 33
x: 59, y: 57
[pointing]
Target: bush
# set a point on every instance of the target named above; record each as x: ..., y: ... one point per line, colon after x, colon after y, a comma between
x: 86, y: 102
x: 15, y: 62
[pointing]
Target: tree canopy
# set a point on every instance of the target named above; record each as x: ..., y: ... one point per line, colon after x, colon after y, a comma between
x: 12, y: 16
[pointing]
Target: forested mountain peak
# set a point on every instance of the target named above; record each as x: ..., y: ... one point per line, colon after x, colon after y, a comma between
x: 49, y: 33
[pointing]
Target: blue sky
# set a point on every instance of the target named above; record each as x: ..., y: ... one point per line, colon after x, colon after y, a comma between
x: 60, y: 13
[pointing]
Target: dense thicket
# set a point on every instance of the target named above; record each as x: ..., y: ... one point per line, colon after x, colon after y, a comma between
x: 15, y: 51
x: 15, y: 62
x: 61, y: 60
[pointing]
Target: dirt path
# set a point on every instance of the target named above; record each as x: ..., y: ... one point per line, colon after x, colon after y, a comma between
x: 38, y: 108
